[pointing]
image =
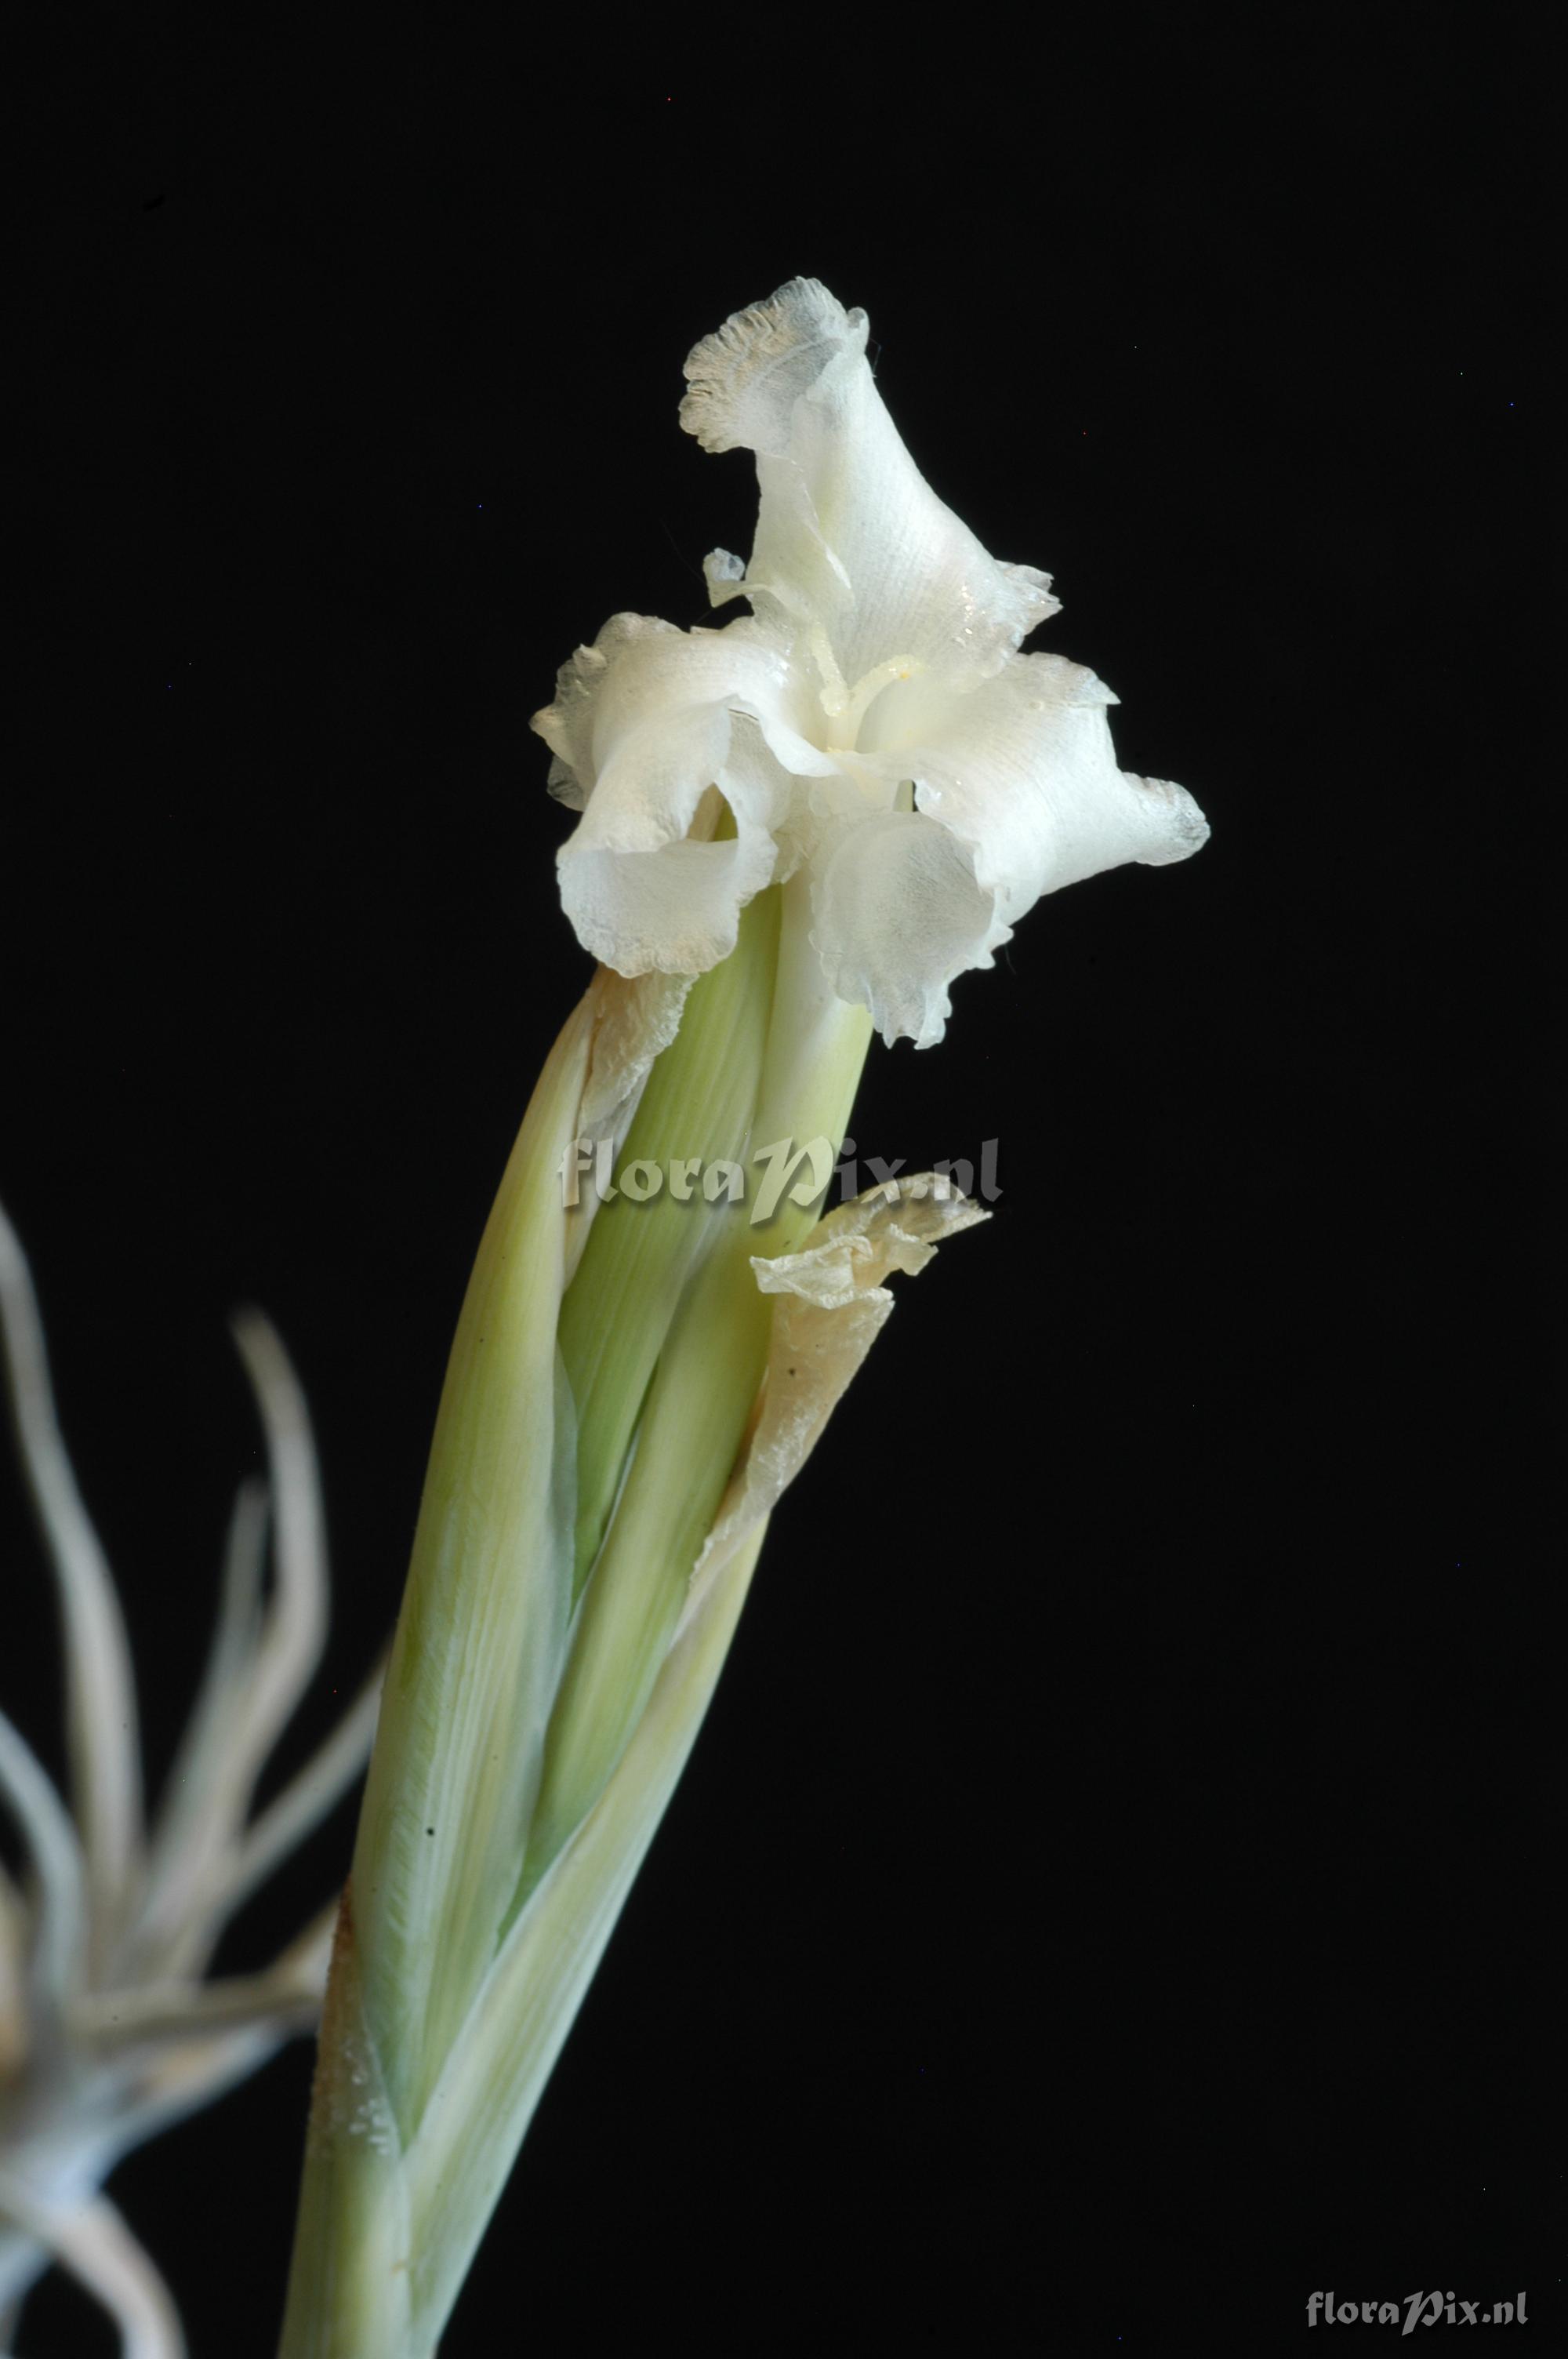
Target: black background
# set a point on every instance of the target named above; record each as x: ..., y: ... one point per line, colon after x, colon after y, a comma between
x: 1111, y: 1898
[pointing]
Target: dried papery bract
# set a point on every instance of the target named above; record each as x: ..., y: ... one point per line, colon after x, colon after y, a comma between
x: 110, y: 2030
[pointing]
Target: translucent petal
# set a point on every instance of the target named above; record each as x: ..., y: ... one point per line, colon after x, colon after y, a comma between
x: 670, y: 909
x: 1024, y: 772
x: 1019, y: 779
x: 849, y: 535
x: 639, y: 670
x: 897, y: 914
x: 643, y: 722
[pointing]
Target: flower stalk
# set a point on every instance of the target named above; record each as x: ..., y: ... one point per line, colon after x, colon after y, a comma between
x: 548, y: 1674
x: 790, y: 832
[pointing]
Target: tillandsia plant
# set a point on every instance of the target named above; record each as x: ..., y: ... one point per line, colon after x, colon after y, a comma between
x: 792, y: 829
x: 111, y: 2027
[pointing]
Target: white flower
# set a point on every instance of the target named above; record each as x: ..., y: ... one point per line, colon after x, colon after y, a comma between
x: 872, y: 718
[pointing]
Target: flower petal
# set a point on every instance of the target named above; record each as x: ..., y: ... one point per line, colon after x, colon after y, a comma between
x: 640, y: 669
x: 1020, y: 778
x: 1024, y: 772
x: 670, y: 907
x: 896, y: 915
x: 643, y: 722
x: 850, y: 535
